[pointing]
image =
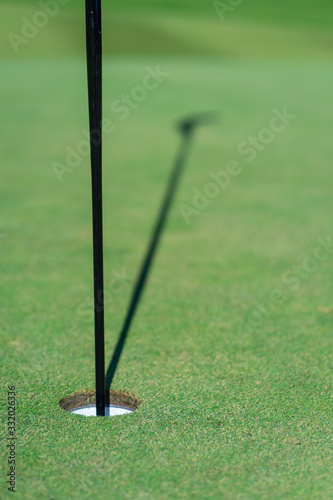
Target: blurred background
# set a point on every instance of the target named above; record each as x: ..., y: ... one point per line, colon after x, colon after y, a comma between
x: 250, y: 28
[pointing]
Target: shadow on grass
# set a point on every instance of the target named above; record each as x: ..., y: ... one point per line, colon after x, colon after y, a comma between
x: 186, y: 128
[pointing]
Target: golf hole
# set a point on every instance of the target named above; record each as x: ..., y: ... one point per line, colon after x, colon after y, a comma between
x: 84, y: 403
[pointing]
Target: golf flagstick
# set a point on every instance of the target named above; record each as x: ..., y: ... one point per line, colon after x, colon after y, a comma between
x: 94, y: 66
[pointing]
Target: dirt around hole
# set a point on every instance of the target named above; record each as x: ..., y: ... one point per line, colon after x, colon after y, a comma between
x: 86, y: 398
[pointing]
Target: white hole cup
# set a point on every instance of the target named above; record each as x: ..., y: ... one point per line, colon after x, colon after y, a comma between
x: 110, y: 410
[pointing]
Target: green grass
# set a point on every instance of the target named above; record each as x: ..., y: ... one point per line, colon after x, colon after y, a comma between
x: 222, y: 410
x: 129, y: 31
x: 226, y: 412
x: 303, y: 12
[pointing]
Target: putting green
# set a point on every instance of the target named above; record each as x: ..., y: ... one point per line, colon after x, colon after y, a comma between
x: 226, y: 411
x: 229, y: 352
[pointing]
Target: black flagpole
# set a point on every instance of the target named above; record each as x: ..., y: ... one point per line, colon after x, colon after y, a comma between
x: 94, y: 64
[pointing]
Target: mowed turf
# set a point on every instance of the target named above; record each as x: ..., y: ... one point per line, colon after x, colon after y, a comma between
x: 228, y: 410
x: 253, y: 29
x: 225, y: 413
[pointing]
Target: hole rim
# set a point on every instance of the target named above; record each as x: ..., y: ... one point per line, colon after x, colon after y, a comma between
x: 87, y: 398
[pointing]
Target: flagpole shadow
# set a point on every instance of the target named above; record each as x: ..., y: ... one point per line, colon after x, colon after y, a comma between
x: 186, y: 128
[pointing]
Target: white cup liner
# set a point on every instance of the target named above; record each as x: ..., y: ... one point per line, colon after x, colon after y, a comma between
x: 110, y: 410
